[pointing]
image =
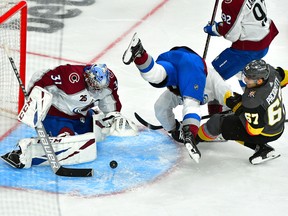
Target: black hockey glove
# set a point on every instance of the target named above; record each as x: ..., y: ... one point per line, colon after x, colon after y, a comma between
x: 282, y: 73
x: 177, y: 134
x: 235, y: 103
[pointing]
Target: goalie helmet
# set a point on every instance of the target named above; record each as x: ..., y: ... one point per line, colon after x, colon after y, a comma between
x: 97, y: 76
x: 257, y: 69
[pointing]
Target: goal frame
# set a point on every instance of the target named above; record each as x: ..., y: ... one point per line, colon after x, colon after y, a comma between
x: 20, y: 7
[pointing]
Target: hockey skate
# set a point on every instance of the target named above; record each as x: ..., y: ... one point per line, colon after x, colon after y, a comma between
x: 135, y: 49
x: 263, y: 153
x: 190, y: 144
x: 177, y: 133
x: 13, y: 159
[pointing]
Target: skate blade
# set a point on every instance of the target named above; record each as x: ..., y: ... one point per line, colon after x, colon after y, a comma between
x: 259, y: 160
x: 217, y: 139
x: 128, y: 54
x: 195, y: 156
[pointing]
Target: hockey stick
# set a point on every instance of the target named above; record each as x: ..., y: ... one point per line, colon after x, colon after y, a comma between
x: 57, y: 168
x: 157, y: 127
x: 146, y: 124
x: 209, y: 36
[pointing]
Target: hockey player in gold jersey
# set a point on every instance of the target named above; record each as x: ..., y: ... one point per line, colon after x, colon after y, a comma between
x: 259, y: 114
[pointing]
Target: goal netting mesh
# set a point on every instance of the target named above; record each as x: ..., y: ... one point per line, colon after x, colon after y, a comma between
x: 10, y: 36
x: 21, y: 193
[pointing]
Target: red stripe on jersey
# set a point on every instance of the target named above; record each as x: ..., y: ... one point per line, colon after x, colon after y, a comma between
x: 257, y: 45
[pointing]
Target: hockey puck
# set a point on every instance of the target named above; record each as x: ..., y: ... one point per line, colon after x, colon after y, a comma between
x: 113, y: 164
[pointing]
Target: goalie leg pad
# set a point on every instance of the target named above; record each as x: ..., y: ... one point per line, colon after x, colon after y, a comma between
x: 69, y: 150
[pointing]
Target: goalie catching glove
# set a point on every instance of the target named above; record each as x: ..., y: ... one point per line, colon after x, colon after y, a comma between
x: 113, y: 124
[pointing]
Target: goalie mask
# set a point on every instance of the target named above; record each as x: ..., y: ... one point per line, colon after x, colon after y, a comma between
x: 97, y: 76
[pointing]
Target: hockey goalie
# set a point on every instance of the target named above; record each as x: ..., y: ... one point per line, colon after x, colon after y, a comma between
x: 78, y: 106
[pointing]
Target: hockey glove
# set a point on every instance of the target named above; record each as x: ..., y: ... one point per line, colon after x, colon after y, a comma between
x: 235, y: 103
x: 284, y: 76
x: 120, y: 125
x: 190, y: 143
x: 212, y: 29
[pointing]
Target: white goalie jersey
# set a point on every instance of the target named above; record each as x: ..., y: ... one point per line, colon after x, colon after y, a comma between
x: 69, y: 149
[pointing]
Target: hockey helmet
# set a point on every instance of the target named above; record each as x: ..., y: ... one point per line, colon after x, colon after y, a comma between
x: 257, y: 69
x: 97, y: 76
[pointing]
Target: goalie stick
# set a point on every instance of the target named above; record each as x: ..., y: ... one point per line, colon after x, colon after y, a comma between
x: 57, y: 168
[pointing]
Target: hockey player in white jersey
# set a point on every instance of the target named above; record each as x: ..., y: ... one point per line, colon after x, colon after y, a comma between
x: 188, y: 83
x: 85, y: 105
x: 245, y: 23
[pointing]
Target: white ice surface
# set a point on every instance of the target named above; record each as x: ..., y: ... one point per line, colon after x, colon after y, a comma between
x: 223, y: 183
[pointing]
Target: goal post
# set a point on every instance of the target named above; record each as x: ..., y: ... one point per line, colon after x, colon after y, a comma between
x: 13, y: 34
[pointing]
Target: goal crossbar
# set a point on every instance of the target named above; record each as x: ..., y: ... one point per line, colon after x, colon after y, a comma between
x: 22, y: 8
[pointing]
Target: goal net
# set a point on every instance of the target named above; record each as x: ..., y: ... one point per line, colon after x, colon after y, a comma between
x: 16, y: 195
x: 13, y: 23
